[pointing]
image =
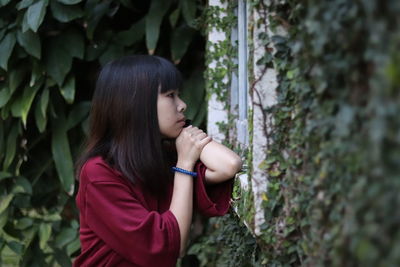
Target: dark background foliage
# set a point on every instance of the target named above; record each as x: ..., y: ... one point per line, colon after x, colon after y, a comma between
x: 50, y: 53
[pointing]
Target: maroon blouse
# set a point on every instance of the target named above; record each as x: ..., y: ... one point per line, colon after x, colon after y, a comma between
x: 123, y: 225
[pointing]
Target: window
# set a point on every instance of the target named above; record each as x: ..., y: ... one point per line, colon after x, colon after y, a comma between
x: 239, y: 86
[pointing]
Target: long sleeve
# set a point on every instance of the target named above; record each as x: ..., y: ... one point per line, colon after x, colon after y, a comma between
x: 146, y: 238
x: 211, y: 200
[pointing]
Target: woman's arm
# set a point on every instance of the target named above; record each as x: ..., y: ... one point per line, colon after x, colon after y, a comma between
x: 221, y: 162
x: 189, y: 144
x: 182, y: 202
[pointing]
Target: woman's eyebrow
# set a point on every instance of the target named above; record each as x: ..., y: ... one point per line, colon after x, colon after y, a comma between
x: 172, y: 90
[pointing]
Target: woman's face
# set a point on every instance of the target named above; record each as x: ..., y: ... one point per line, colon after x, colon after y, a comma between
x: 170, y: 110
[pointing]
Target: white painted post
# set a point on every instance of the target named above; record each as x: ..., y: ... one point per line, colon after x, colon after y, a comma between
x: 216, y: 108
x: 264, y: 95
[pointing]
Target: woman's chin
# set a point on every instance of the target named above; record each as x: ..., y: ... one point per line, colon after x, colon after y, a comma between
x: 171, y: 135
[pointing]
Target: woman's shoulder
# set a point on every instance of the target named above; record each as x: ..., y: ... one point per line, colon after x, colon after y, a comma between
x: 96, y: 169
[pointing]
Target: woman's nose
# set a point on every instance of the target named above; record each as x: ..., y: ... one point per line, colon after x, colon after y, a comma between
x: 181, y: 106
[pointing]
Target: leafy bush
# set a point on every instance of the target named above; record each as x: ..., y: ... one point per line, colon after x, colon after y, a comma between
x: 50, y: 52
x: 333, y: 165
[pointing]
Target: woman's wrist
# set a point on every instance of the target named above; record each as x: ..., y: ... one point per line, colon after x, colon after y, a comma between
x: 185, y: 164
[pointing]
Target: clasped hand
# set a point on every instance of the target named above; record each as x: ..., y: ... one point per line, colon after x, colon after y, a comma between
x: 190, y: 143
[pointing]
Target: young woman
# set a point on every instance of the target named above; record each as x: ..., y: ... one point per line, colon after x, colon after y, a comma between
x: 143, y: 172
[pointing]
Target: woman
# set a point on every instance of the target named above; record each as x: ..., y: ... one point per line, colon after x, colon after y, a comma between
x: 143, y: 172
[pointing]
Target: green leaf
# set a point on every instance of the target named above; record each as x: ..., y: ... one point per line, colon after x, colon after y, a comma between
x: 29, y: 234
x: 2, y: 147
x: 22, y: 201
x: 35, y: 14
x: 193, y: 94
x: 154, y: 18
x: 65, y: 13
x: 5, y: 111
x: 69, y: 2
x: 23, y: 223
x: 93, y: 51
x: 173, y: 18
x: 73, y: 42
x: 40, y: 119
x: 24, y: 4
x: 274, y: 173
x: 68, y: 90
x: 4, y: 2
x: 6, y: 48
x: 22, y: 105
x: 11, y: 146
x: 85, y: 126
x: 44, y: 234
x: 55, y: 54
x: 131, y: 36
x: 113, y: 51
x: 188, y: 10
x: 16, y: 77
x: 95, y: 11
x: 30, y: 42
x: 16, y: 247
x: 25, y: 25
x: 44, y: 101
x: 5, y: 95
x: 22, y: 185
x: 79, y: 112
x: 9, y: 257
x: 52, y: 217
x: 200, y: 115
x: 3, y: 218
x: 62, y: 155
x: 4, y: 175
x: 75, y: 224
x: 180, y: 41
x: 73, y: 246
x: 36, y: 73
x: 127, y: 3
x: 2, y: 32
x: 66, y: 236
x: 5, y: 202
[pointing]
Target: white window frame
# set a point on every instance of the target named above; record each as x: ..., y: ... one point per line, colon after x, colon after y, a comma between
x: 242, y: 80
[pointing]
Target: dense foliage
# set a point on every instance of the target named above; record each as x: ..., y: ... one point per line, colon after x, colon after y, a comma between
x: 50, y: 52
x: 333, y: 162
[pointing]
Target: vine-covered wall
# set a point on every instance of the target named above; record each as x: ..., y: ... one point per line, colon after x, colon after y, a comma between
x: 333, y: 147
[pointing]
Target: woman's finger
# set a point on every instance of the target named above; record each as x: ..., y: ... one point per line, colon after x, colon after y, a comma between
x: 205, y: 141
x: 191, y: 131
x: 201, y: 136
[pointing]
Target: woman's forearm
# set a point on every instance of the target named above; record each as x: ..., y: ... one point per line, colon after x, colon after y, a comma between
x: 182, y: 203
x: 221, y: 162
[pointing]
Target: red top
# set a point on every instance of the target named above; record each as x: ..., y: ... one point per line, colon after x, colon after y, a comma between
x: 123, y: 225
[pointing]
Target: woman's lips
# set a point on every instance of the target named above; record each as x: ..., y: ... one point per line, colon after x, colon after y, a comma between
x: 181, y: 120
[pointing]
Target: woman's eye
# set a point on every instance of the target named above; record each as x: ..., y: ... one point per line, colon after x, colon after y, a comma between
x: 171, y: 94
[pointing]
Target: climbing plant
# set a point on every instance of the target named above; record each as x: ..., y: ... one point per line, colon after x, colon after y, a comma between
x: 332, y: 162
x: 50, y: 52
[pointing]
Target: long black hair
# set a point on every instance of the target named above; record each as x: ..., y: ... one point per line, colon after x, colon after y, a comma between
x: 124, y: 127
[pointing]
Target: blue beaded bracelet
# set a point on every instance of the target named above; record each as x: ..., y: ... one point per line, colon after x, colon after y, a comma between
x: 194, y: 174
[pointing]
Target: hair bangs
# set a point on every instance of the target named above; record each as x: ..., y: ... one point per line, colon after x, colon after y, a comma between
x: 169, y: 77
